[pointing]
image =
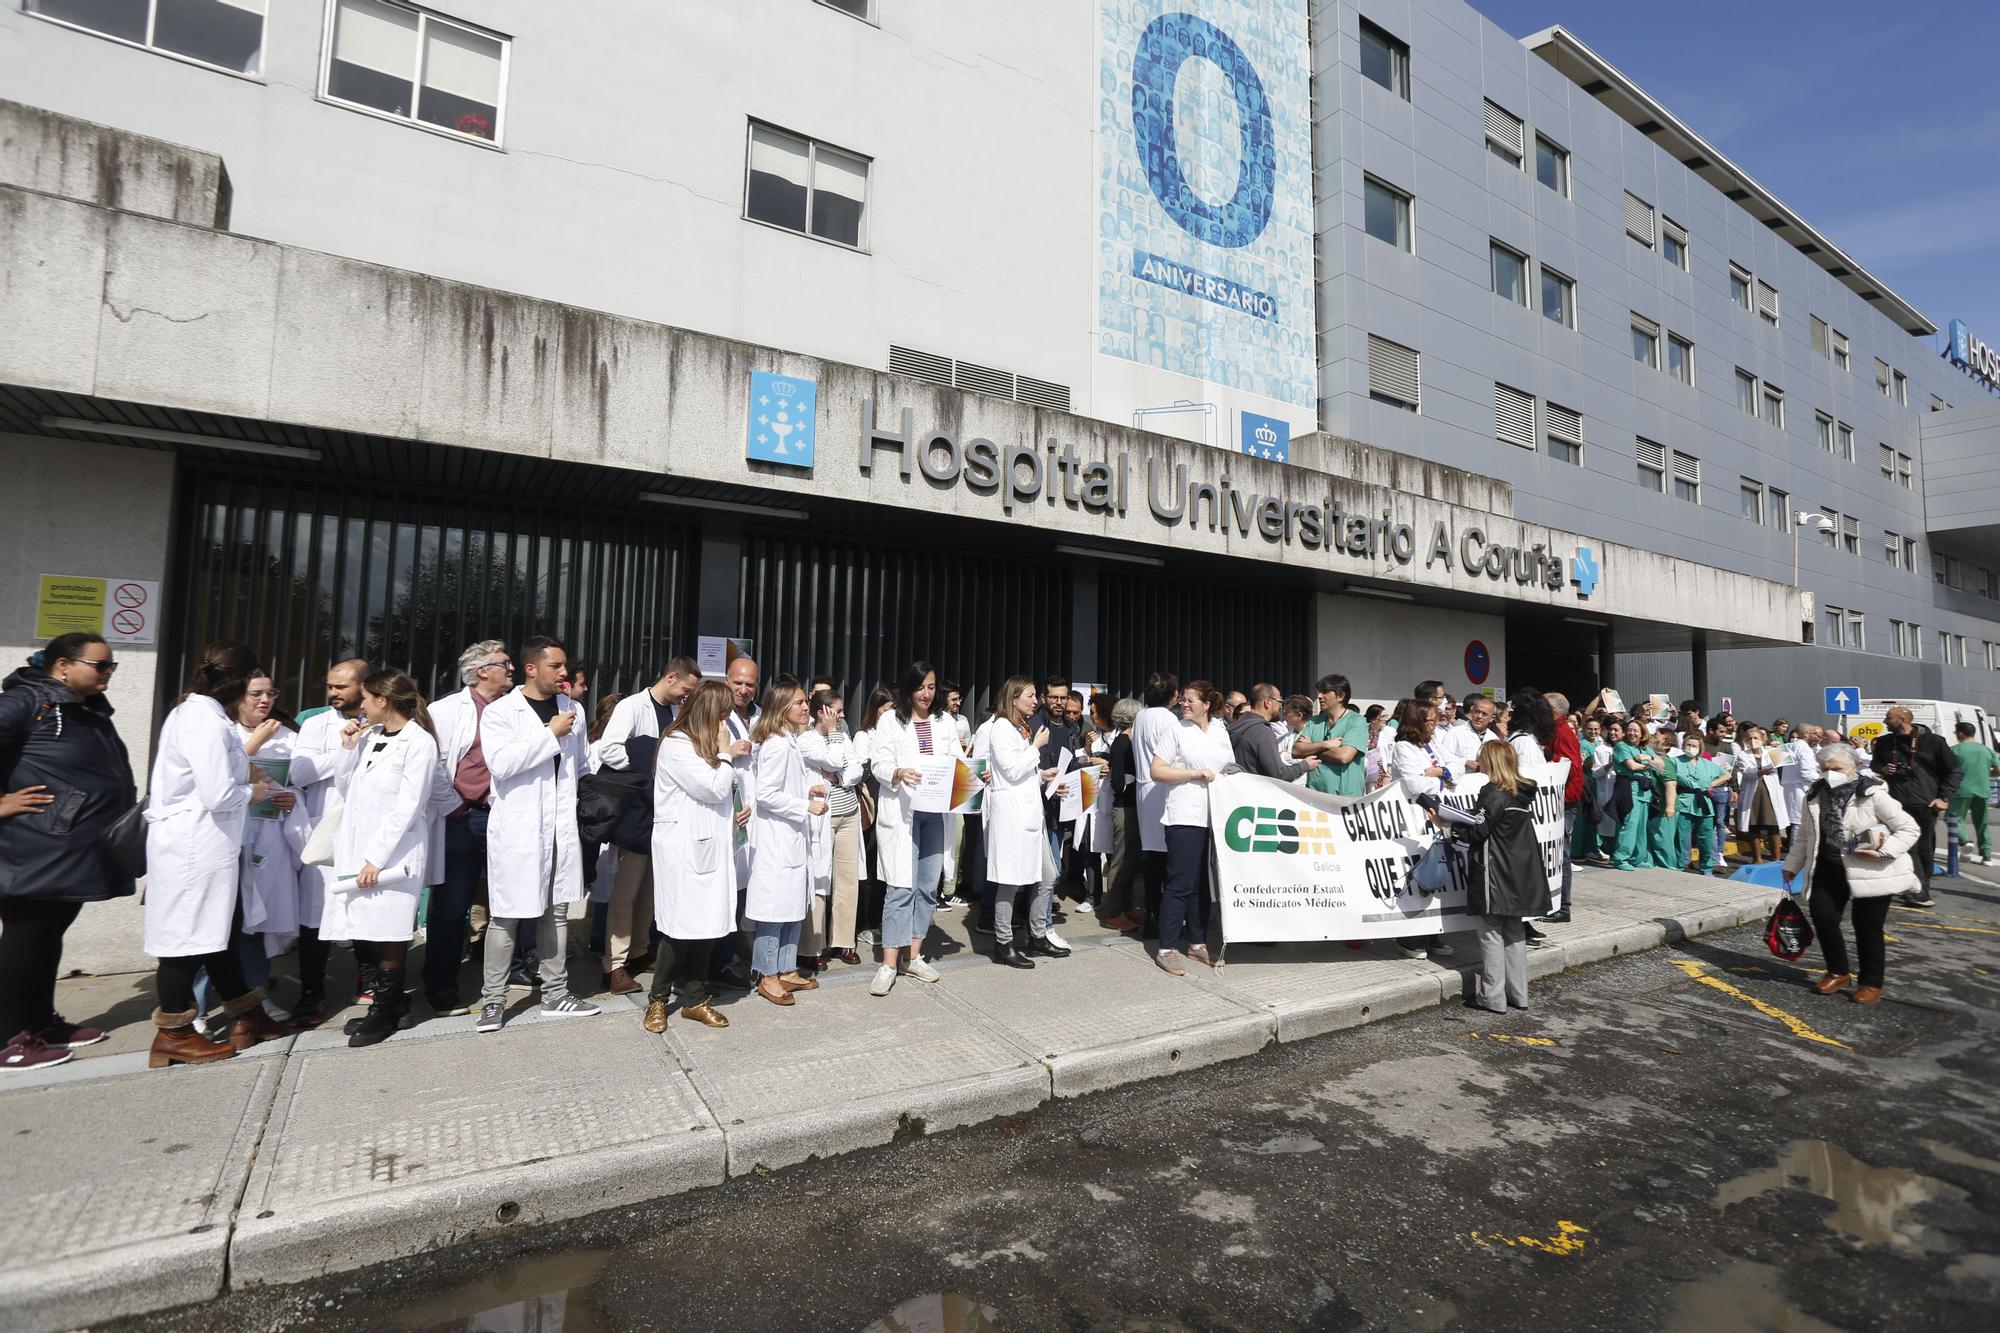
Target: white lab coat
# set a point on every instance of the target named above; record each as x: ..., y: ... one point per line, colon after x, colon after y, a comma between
x: 1016, y: 845
x: 1796, y: 776
x: 532, y: 846
x: 823, y: 765
x: 780, y: 872
x: 271, y: 850
x: 746, y: 787
x: 197, y: 797
x: 318, y: 762
x: 634, y: 715
x: 387, y: 795
x: 694, y: 823
x: 1408, y: 763
x: 1748, y: 761
x: 895, y: 746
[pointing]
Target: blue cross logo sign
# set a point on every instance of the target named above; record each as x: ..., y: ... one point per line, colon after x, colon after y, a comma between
x: 1842, y: 700
x: 1583, y: 571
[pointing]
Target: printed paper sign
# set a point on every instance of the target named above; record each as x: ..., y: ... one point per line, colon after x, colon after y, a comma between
x: 934, y: 783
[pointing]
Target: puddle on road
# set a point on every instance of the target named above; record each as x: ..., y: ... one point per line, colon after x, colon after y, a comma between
x: 1872, y: 1203
x: 939, y: 1312
x: 1742, y: 1296
x: 549, y: 1293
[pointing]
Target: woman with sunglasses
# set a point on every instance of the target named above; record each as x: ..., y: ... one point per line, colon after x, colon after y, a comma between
x: 64, y: 780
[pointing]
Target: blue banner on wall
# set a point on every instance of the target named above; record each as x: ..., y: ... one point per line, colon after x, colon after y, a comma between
x: 1267, y: 437
x: 783, y: 412
x: 1205, y: 221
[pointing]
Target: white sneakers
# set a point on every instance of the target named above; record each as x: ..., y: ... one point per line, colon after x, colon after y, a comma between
x: 1056, y: 940
x: 885, y: 977
x: 921, y: 970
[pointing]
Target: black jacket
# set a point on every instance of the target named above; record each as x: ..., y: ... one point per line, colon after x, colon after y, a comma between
x: 1256, y: 747
x: 1508, y: 878
x: 51, y: 738
x: 1918, y: 767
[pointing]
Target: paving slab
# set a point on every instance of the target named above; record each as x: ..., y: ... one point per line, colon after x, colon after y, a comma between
x: 120, y: 1191
x: 843, y: 1069
x: 425, y: 1142
x: 1107, y: 1016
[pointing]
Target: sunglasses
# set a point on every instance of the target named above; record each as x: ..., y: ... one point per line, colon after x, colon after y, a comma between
x: 103, y: 668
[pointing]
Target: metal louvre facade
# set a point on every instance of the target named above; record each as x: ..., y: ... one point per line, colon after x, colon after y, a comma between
x: 860, y: 612
x: 1232, y: 634
x: 310, y: 570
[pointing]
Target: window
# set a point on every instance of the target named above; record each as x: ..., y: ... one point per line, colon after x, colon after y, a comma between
x: 1687, y: 477
x: 1831, y: 618
x: 1857, y: 631
x: 1903, y: 640
x: 1882, y: 378
x: 1888, y: 462
x: 1774, y: 407
x: 1825, y: 425
x: 1564, y: 433
x: 1944, y: 570
x: 1746, y: 391
x: 1903, y: 471
x: 1510, y: 273
x: 1951, y: 648
x: 418, y: 67
x: 1938, y: 404
x: 861, y: 9
x: 1767, y: 303
x: 1385, y: 212
x: 1892, y: 549
x: 1739, y: 278
x: 1680, y: 358
x: 1830, y: 536
x: 1779, y: 506
x: 1514, y: 416
x: 1385, y: 60
x: 227, y: 34
x: 1910, y: 554
x: 1638, y: 219
x: 1558, y: 298
x: 1840, y: 352
x: 1652, y: 465
x: 1645, y: 341
x: 1752, y: 498
x: 1503, y: 135
x: 1916, y: 637
x: 1845, y: 449
x: 1989, y: 585
x: 1902, y: 389
x: 1394, y: 374
x: 806, y: 186
x: 1552, y: 165
x: 1673, y: 243
x: 1850, y: 534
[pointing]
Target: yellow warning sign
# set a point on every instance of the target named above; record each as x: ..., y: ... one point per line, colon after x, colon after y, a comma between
x: 69, y: 604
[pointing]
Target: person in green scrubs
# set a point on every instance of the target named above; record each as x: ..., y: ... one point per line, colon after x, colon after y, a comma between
x: 1338, y: 737
x: 1968, y: 803
x: 1701, y: 774
x: 1633, y: 763
x: 1666, y: 829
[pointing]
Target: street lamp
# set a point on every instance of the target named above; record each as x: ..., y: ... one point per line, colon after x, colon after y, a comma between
x: 1800, y: 518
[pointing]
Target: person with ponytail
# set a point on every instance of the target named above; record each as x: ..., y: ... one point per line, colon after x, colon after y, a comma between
x: 199, y: 798
x: 381, y: 854
x: 65, y: 780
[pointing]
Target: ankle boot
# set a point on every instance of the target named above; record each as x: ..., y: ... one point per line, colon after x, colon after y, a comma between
x: 177, y: 1043
x: 248, y: 1023
x: 383, y: 1017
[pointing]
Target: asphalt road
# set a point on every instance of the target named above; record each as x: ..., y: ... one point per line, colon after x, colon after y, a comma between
x: 1684, y: 1139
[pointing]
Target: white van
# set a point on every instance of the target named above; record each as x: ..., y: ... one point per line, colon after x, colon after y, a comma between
x: 1941, y: 717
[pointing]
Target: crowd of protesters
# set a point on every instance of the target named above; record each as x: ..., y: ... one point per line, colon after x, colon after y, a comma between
x: 747, y: 834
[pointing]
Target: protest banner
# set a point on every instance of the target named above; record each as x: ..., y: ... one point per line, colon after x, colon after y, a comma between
x: 1295, y: 864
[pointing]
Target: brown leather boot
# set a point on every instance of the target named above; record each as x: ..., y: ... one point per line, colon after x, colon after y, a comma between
x: 1867, y: 994
x: 249, y: 1024
x: 1832, y: 982
x: 619, y: 982
x: 177, y: 1043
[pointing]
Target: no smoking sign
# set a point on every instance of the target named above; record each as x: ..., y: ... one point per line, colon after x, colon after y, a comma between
x: 131, y: 611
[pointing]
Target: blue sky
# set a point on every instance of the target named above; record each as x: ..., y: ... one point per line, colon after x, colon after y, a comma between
x: 1876, y: 122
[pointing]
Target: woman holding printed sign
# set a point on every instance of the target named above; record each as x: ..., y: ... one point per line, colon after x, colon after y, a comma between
x: 1415, y: 764
x: 1203, y: 751
x: 909, y: 843
x: 380, y: 854
x: 1017, y: 849
x: 1508, y: 884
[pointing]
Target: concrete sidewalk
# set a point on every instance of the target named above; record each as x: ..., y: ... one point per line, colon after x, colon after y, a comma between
x: 135, y: 1190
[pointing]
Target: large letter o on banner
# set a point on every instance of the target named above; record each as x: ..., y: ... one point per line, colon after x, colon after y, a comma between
x: 1169, y: 42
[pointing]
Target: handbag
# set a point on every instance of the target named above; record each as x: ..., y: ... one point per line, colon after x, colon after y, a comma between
x: 1432, y: 872
x: 1788, y: 933
x: 319, y: 847
x: 124, y: 841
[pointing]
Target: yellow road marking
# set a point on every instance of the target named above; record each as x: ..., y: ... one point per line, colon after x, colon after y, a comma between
x: 1943, y: 916
x: 1798, y: 1026
x: 1887, y: 938
x: 1524, y: 1041
x: 1569, y: 1239
x: 1956, y: 930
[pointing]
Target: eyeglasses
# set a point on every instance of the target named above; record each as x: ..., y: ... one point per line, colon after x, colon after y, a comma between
x: 104, y: 668
x: 495, y: 662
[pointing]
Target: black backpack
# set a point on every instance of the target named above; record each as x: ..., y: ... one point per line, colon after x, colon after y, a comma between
x: 604, y: 799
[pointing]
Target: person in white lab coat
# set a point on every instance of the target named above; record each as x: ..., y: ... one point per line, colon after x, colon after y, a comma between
x: 694, y: 864
x: 462, y: 801
x: 533, y: 743
x: 1202, y: 753
x: 381, y: 854
x: 628, y: 916
x: 318, y: 760
x: 1799, y: 775
x: 743, y: 679
x: 909, y: 843
x: 787, y: 797
x: 1017, y: 848
x: 199, y: 797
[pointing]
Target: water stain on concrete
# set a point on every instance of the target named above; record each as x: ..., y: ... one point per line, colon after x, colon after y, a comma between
x: 551, y: 1291
x: 1983, y: 1269
x: 1277, y: 1146
x: 1742, y: 1296
x: 937, y: 1312
x: 1217, y: 1206
x: 1944, y: 1152
x: 1872, y: 1203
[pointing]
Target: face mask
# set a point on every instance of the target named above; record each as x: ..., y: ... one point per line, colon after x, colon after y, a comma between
x: 1838, y: 777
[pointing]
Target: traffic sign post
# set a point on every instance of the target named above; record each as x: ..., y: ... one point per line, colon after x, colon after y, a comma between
x: 1843, y: 702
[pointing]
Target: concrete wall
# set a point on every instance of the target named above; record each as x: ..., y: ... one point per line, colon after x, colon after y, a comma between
x: 92, y: 510
x: 117, y: 168
x: 1384, y: 648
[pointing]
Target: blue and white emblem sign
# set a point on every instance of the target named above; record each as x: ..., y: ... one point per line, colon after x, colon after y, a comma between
x: 783, y: 413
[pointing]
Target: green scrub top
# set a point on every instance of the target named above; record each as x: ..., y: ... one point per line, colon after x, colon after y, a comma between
x: 1350, y: 779
x: 1977, y: 761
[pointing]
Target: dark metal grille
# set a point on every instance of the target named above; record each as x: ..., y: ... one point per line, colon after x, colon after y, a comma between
x: 1232, y: 634
x: 309, y: 570
x: 861, y: 612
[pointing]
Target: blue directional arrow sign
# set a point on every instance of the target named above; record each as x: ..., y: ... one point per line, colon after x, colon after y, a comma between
x: 1843, y: 700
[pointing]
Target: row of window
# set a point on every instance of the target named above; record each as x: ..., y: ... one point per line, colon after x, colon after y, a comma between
x: 1657, y: 464
x: 1839, y: 628
x: 1668, y: 236
x: 1509, y: 268
x: 1679, y: 361
x: 1561, y: 436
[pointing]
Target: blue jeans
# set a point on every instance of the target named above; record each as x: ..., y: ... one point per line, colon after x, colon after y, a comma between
x: 775, y: 949
x: 1725, y: 800
x: 444, y: 928
x: 907, y: 910
x: 1184, y: 898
